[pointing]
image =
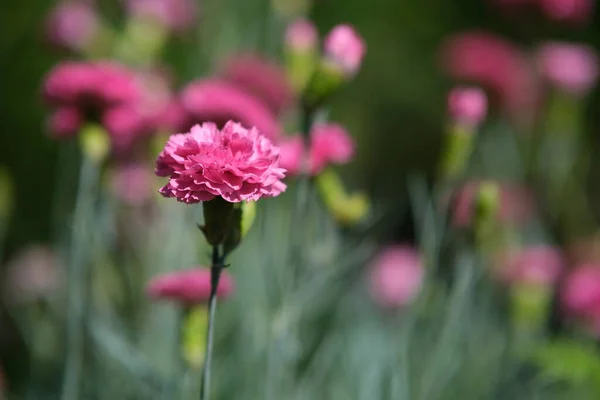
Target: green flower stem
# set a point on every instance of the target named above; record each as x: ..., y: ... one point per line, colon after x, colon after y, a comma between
x: 79, y: 281
x: 215, y: 276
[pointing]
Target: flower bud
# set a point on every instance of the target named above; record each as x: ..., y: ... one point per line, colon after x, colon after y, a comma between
x: 467, y: 106
x: 94, y: 142
x: 345, y: 49
x: 301, y: 52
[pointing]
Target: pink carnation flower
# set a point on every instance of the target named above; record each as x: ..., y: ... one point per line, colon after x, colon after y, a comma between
x: 516, y: 204
x: 537, y: 265
x: 65, y: 122
x: 301, y: 36
x: 467, y: 105
x: 346, y: 48
x: 329, y: 144
x: 396, y: 276
x: 219, y: 101
x: 235, y: 163
x: 569, y: 67
x: 177, y: 15
x: 490, y: 61
x: 132, y: 183
x: 189, y: 286
x: 72, y: 25
x: 34, y: 273
x: 261, y: 78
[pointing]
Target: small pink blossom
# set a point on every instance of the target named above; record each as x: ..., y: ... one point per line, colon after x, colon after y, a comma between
x: 219, y: 101
x: 34, y: 273
x: 132, y: 183
x: 261, y: 78
x: 571, y: 11
x: 177, y: 15
x: 72, y: 25
x: 570, y: 67
x: 536, y: 265
x: 235, y: 163
x: 467, y: 106
x: 580, y: 295
x: 301, y: 36
x: 491, y: 61
x: 346, y: 48
x: 189, y: 286
x: 329, y: 144
x: 396, y: 276
x: 65, y: 122
x: 516, y: 204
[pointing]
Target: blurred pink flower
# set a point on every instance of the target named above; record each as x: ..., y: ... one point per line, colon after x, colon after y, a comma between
x: 467, y: 105
x: 536, y: 265
x: 235, y: 163
x: 33, y: 273
x: 580, y: 295
x: 301, y: 36
x: 571, y: 11
x: 132, y: 183
x: 177, y: 15
x: 65, y: 122
x: 219, y: 101
x: 72, y: 25
x: 516, y: 204
x: 261, y: 78
x: 189, y: 286
x: 125, y: 124
x: 396, y: 276
x: 291, y: 152
x: 345, y: 47
x: 570, y: 67
x: 488, y: 60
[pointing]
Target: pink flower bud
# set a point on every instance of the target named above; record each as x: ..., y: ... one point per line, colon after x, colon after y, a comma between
x: 72, y: 25
x: 189, y: 286
x: 345, y: 48
x: 537, y: 265
x: 570, y: 67
x: 396, y: 276
x: 301, y: 36
x: 571, y: 11
x: 580, y: 296
x: 330, y: 144
x: 467, y: 106
x: 65, y: 122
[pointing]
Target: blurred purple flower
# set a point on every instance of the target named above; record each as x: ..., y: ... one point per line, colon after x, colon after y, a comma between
x: 488, y: 60
x: 467, y: 106
x: 572, y: 68
x: 345, y: 48
x: 132, y: 183
x: 219, y: 101
x: 177, y: 15
x: 261, y: 78
x: 396, y: 276
x: 73, y: 25
x: 189, y: 287
x: 34, y: 273
x: 535, y: 265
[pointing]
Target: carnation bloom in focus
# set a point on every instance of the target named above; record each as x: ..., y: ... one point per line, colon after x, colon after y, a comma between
x: 301, y: 36
x: 329, y: 144
x: 581, y: 295
x: 535, y: 265
x: 218, y: 101
x: 260, y: 78
x: 235, y: 163
x: 467, y: 106
x: 33, y: 274
x: 396, y: 276
x: 132, y: 183
x: 569, y: 67
x: 189, y: 287
x: 516, y: 204
x: 72, y: 25
x: 177, y: 15
x: 345, y: 48
x: 494, y: 63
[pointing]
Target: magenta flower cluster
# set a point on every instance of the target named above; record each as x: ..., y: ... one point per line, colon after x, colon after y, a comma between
x: 235, y: 163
